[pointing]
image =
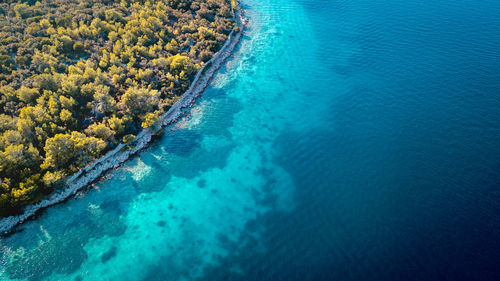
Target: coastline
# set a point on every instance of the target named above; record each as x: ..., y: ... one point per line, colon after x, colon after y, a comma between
x: 114, y: 158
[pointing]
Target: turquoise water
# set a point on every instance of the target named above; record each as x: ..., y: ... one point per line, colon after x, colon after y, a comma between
x: 346, y: 140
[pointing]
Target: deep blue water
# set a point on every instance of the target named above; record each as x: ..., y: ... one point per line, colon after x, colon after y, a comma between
x: 346, y: 140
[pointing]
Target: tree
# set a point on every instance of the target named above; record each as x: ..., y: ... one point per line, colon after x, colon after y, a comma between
x: 101, y: 131
x: 22, y: 10
x: 67, y: 103
x: 149, y: 119
x: 27, y: 191
x: 10, y: 137
x: 70, y: 150
x: 119, y: 125
x: 127, y: 139
x: 17, y: 157
x: 54, y: 179
x: 182, y: 63
x: 46, y: 82
x: 27, y: 95
x: 138, y: 101
x: 67, y: 118
x: 103, y: 102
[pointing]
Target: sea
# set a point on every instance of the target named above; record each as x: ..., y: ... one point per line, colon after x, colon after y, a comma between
x: 344, y: 140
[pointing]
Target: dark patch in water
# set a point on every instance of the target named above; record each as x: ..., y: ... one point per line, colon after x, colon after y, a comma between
x: 224, y: 240
x: 135, y: 185
x: 109, y: 254
x: 161, y: 223
x: 183, y: 144
x: 111, y: 206
x: 202, y: 183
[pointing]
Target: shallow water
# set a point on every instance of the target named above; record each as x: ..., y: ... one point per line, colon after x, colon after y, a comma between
x: 349, y: 140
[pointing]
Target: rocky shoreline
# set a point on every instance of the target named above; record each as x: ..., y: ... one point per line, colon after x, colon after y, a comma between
x: 122, y: 152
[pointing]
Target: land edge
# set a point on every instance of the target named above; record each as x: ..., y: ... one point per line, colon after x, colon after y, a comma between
x: 114, y: 158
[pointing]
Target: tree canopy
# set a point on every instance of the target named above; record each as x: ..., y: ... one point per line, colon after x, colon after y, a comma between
x: 79, y: 77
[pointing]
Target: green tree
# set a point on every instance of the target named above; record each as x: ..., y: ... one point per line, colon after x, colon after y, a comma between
x: 17, y: 157
x: 27, y: 95
x: 101, y: 131
x: 67, y: 118
x: 149, y: 119
x: 182, y: 63
x: 138, y: 101
x: 71, y: 150
x: 119, y: 125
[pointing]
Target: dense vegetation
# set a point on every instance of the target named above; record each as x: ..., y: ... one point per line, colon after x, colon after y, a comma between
x: 78, y: 77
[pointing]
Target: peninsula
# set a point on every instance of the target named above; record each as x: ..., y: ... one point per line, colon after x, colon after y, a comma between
x: 85, y: 85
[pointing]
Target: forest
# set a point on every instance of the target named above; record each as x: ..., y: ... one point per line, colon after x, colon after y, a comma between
x: 79, y: 77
